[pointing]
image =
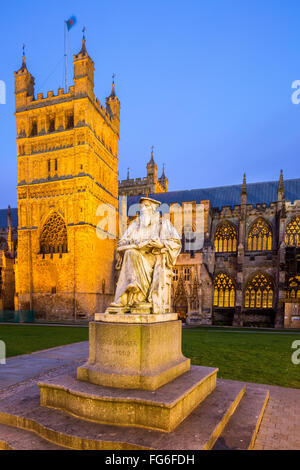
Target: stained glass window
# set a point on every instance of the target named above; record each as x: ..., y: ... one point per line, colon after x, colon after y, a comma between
x: 293, y: 291
x: 292, y: 232
x: 224, y: 291
x: 260, y: 236
x: 259, y: 292
x: 53, y: 237
x: 225, y: 238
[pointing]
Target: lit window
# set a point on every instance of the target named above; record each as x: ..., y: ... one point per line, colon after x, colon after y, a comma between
x: 225, y: 238
x: 260, y: 236
x: 293, y: 291
x: 292, y: 232
x: 224, y: 291
x: 53, y: 237
x: 259, y: 292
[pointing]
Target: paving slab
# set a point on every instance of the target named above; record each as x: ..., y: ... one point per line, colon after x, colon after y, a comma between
x: 241, y: 431
x: 18, y: 439
x: 26, y: 366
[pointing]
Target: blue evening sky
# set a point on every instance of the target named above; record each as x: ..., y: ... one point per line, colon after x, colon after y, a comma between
x: 207, y: 82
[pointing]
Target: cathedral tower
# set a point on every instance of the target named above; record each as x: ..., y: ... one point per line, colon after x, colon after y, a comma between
x: 152, y: 170
x: 67, y: 153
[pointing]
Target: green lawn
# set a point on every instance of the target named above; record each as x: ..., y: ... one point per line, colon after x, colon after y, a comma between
x: 250, y: 356
x: 23, y: 339
x: 247, y: 355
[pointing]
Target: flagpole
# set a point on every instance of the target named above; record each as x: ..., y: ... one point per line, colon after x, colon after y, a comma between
x: 66, y: 82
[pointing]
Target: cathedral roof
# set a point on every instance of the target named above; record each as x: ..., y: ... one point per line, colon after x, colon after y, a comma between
x: 257, y: 193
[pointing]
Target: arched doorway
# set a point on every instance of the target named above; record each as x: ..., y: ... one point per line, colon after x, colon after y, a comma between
x: 180, y: 301
x: 181, y: 308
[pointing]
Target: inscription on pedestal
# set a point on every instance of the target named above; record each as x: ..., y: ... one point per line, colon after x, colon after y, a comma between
x: 115, y: 347
x: 134, y: 355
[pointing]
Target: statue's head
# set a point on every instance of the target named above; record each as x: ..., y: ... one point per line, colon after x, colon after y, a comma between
x: 148, y: 210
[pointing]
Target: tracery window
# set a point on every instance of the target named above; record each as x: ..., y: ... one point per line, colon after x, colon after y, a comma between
x: 187, y: 273
x: 175, y: 274
x: 53, y: 237
x: 225, y: 238
x: 224, y: 291
x: 260, y: 236
x: 293, y: 291
x: 292, y: 232
x: 259, y: 292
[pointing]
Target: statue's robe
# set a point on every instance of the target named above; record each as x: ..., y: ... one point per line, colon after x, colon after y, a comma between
x: 145, y: 270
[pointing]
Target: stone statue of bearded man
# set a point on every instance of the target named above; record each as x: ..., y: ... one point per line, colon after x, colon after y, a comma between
x: 149, y: 249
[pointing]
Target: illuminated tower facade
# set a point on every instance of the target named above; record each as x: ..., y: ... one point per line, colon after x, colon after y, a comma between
x: 67, y: 153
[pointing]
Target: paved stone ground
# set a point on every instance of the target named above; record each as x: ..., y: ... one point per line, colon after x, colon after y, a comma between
x: 27, y: 366
x: 280, y: 427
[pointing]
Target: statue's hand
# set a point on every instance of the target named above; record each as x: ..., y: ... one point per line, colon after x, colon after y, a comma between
x: 140, y: 245
x: 158, y: 251
x: 156, y: 243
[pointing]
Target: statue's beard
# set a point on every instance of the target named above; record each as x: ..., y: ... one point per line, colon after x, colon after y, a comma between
x: 145, y: 220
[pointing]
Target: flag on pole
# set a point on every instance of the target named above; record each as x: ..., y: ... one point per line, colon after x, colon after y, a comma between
x: 71, y: 22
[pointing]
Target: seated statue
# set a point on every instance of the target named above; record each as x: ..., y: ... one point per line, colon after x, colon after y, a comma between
x: 148, y: 250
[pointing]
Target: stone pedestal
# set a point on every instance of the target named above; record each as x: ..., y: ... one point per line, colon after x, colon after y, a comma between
x: 137, y: 391
x: 134, y: 355
x: 136, y: 375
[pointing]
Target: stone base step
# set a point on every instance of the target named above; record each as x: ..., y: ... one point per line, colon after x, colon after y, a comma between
x: 241, y: 431
x: 200, y: 430
x: 18, y: 439
x: 162, y: 409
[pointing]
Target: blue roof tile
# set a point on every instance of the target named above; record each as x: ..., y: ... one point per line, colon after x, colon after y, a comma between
x: 257, y: 193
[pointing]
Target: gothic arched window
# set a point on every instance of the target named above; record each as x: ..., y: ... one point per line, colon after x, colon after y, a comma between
x: 293, y: 291
x: 225, y: 238
x: 224, y: 291
x: 259, y: 292
x: 260, y: 236
x: 53, y: 237
x: 292, y: 232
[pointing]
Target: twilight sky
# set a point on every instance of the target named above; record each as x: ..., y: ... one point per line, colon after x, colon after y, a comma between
x: 207, y: 82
